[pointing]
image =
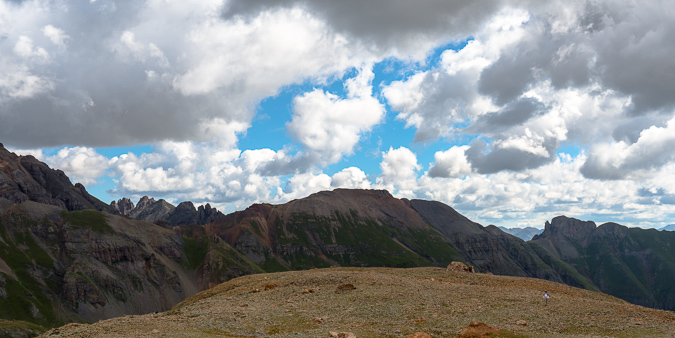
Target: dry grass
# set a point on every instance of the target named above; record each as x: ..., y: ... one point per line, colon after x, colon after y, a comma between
x: 387, y: 303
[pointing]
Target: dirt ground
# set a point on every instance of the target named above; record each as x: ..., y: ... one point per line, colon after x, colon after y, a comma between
x: 385, y: 302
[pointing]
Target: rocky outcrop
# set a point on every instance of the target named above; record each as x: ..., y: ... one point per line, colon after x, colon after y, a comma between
x: 150, y: 210
x: 186, y: 214
x: 24, y: 178
x: 459, y: 267
x: 161, y: 211
x: 123, y: 206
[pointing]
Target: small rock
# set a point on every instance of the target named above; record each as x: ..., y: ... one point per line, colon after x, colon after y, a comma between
x: 478, y: 329
x: 418, y: 335
x: 270, y: 286
x: 317, y: 320
x: 459, y: 267
x: 521, y: 322
x: 344, y: 288
x: 342, y: 334
x: 155, y: 331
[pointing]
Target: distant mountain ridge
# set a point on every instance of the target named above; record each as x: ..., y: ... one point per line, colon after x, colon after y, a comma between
x: 150, y: 210
x: 669, y: 227
x: 525, y: 234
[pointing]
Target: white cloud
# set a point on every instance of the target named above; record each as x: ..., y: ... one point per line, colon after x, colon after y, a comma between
x: 331, y: 126
x: 352, y: 178
x: 81, y: 164
x: 450, y: 163
x: 25, y: 49
x: 618, y: 160
x: 399, y: 171
x: 55, y: 35
x: 302, y: 185
x: 141, y: 51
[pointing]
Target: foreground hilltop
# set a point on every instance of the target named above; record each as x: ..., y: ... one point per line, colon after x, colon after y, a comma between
x: 387, y: 302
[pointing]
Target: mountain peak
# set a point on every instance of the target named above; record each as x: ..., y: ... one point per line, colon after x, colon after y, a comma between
x: 571, y: 228
x: 25, y: 178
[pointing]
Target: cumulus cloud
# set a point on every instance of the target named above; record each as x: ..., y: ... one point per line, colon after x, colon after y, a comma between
x: 131, y: 75
x: 522, y: 69
x: 619, y: 160
x: 450, y: 163
x: 55, y: 35
x: 411, y: 28
x: 399, y: 171
x: 330, y: 126
x: 352, y: 177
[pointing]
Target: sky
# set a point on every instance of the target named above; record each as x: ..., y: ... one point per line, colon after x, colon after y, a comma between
x: 510, y: 111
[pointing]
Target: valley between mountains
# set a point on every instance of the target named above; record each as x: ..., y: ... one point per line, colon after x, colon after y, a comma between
x: 66, y: 257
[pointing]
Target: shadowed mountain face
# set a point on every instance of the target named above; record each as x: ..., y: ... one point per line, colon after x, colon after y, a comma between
x: 24, y: 178
x: 58, y: 266
x: 634, y: 264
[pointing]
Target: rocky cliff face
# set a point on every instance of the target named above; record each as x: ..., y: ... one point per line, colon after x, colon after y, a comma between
x: 123, y: 206
x: 24, y: 178
x: 186, y: 214
x: 150, y: 210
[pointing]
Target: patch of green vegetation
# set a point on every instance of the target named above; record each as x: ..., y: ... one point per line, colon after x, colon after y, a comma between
x: 195, y: 250
x: 233, y: 261
x: 366, y: 242
x: 21, y: 326
x: 27, y: 296
x: 272, y: 264
x: 568, y: 273
x: 89, y: 220
x: 34, y: 251
x: 136, y: 282
x: 256, y: 227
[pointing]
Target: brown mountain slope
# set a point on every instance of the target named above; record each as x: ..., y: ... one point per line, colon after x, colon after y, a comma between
x: 351, y: 227
x: 385, y: 302
x: 334, y: 228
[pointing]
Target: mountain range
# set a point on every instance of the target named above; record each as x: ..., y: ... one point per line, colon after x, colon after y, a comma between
x: 163, y: 212
x: 66, y: 256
